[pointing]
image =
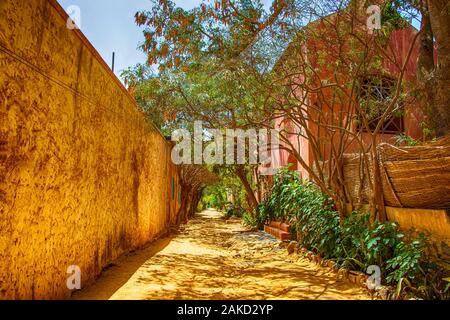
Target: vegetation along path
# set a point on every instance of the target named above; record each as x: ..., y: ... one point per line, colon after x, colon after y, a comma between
x: 211, y: 258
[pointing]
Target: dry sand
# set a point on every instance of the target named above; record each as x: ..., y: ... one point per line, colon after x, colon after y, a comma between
x: 210, y: 258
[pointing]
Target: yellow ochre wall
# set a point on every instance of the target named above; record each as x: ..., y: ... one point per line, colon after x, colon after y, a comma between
x: 83, y: 177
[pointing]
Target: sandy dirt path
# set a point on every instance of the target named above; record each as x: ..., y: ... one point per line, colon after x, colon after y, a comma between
x: 212, y: 259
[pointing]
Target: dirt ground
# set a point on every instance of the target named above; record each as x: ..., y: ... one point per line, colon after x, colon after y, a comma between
x: 210, y: 258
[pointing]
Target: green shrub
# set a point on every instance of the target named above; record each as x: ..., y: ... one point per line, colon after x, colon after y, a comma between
x: 405, y: 263
x: 354, y: 243
x: 234, y: 211
x: 257, y: 219
x: 250, y: 220
x: 361, y: 244
x: 403, y: 139
x: 263, y: 214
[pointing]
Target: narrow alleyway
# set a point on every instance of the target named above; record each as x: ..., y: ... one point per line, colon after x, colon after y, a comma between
x: 212, y: 259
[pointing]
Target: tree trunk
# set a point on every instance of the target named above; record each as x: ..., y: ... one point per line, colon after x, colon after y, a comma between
x: 184, y: 205
x: 188, y: 210
x: 378, y: 209
x: 440, y: 25
x: 252, y: 201
x: 194, y: 203
x: 425, y: 62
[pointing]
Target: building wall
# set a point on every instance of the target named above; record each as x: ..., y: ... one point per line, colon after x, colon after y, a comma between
x: 84, y: 177
x: 397, y: 47
x: 434, y: 222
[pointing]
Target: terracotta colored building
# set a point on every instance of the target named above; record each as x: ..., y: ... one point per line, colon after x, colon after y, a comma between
x: 321, y: 41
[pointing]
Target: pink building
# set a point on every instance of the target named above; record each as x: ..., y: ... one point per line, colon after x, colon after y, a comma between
x: 399, y: 46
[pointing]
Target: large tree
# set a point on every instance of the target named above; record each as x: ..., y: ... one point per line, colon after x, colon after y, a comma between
x: 217, y: 64
x: 434, y: 74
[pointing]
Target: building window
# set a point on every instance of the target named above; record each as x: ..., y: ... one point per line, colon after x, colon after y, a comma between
x: 375, y: 94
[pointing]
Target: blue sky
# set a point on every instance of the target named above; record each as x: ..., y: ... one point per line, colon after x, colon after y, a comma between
x: 109, y: 25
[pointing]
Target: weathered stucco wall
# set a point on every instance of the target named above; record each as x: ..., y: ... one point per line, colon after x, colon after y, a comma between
x: 435, y: 224
x: 83, y: 177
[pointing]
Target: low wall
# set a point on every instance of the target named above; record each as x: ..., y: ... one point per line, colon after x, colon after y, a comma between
x: 83, y: 177
x: 434, y: 222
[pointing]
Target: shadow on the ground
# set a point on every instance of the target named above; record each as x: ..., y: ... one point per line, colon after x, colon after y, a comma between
x: 112, y: 279
x: 210, y: 277
x: 210, y: 258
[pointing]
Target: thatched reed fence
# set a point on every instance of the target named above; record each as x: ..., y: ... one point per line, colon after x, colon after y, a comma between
x: 412, y: 177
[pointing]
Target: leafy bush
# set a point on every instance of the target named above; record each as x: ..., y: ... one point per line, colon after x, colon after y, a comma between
x: 354, y: 243
x: 362, y: 244
x: 250, y: 220
x: 263, y: 214
x: 259, y: 218
x: 405, y: 261
x: 403, y: 139
x: 234, y: 211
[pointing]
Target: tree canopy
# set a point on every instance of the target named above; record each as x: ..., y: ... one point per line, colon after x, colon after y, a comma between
x: 235, y: 64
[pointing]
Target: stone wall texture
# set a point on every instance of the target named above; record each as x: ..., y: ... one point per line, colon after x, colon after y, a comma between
x: 84, y: 178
